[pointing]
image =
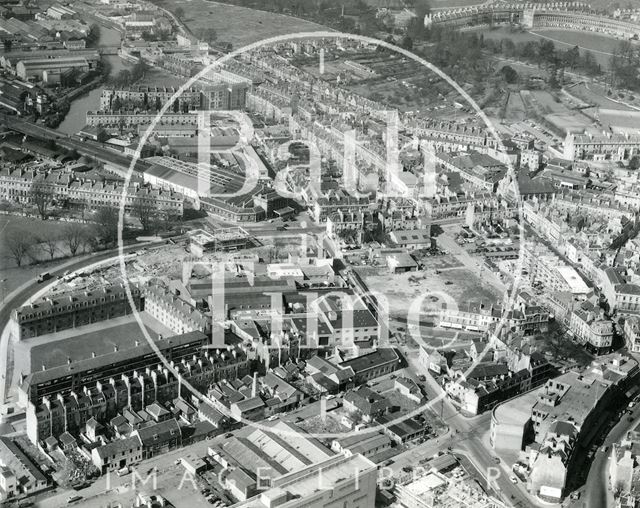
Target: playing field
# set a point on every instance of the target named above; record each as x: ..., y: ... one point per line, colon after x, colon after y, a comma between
x: 238, y: 25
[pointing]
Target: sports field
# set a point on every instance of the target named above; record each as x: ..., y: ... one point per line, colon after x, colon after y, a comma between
x: 238, y: 25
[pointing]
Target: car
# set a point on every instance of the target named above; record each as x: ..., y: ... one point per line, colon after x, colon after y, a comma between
x: 604, y: 449
x: 73, y: 499
x: 272, y: 418
x: 422, y: 377
x: 177, y: 462
x: 496, y: 460
x: 513, y: 479
x: 575, y: 495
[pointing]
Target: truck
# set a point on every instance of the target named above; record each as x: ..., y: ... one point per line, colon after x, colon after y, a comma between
x: 42, y: 277
x: 124, y: 471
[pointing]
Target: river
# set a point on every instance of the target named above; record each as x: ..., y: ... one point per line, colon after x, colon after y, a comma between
x: 76, y: 117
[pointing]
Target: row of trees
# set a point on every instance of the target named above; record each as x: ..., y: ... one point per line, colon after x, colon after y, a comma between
x: 624, y: 65
x: 74, y: 238
x: 77, y: 238
x: 128, y: 77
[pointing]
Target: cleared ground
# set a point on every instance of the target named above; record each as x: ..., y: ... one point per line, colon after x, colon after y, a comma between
x: 238, y: 25
x: 460, y: 284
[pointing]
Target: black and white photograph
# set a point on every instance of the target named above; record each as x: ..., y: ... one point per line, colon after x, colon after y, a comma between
x: 320, y: 253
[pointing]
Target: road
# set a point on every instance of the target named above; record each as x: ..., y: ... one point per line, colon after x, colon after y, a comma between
x: 596, y: 494
x: 467, y: 436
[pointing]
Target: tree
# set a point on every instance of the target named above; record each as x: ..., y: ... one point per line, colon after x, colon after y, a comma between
x: 75, y: 235
x: 179, y: 12
x: 407, y: 43
x: 207, y: 35
x: 139, y: 70
x: 42, y: 195
x: 572, y: 57
x: 49, y: 244
x: 106, y: 220
x: 145, y: 210
x: 634, y: 163
x: 19, y: 245
x: 509, y: 74
x: 93, y: 35
x: 589, y: 63
x: 116, y: 105
x: 123, y: 78
x: 7, y: 45
x: 508, y: 47
x: 546, y: 52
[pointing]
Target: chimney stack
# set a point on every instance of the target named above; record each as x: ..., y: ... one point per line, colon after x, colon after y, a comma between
x: 254, y: 385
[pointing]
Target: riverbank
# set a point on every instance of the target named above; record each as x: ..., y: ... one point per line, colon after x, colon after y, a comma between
x: 87, y: 97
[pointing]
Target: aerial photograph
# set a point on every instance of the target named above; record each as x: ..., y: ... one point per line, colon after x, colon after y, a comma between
x: 320, y: 253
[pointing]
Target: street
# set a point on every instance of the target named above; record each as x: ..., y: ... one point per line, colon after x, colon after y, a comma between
x: 597, y: 493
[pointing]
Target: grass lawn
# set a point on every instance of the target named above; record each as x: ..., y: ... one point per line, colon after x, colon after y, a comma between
x: 599, y: 45
x: 238, y: 25
x: 10, y: 225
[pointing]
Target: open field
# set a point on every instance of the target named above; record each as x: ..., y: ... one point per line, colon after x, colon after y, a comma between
x: 238, y: 25
x: 448, y: 4
x: 602, y: 47
x: 595, y: 94
x: 402, y: 290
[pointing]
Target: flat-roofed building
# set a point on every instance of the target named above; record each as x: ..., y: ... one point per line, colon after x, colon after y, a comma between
x: 561, y: 413
x: 335, y: 482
